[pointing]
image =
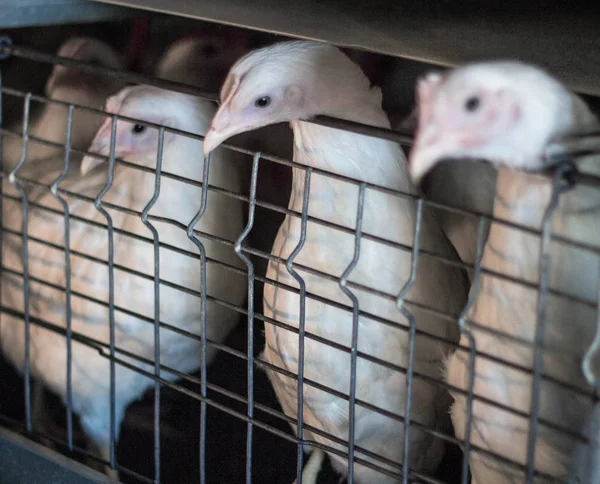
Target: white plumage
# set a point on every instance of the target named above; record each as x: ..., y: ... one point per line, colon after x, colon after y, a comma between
x: 297, y: 80
x: 133, y: 292
x: 72, y: 86
x: 507, y: 113
x: 201, y: 61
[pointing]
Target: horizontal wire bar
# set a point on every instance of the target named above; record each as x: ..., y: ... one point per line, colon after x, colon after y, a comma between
x: 96, y: 344
x: 324, y: 275
x: 317, y: 338
x: 340, y: 306
x: 403, y: 247
x: 292, y: 164
x: 135, y: 78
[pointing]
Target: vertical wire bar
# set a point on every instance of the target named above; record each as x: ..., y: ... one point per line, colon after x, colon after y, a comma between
x: 557, y: 188
x: 12, y: 178
x: 250, y: 349
x: 111, y: 287
x: 1, y: 196
x: 202, y: 251
x: 462, y: 320
x: 412, y: 336
x: 155, y: 239
x: 301, y: 322
x: 586, y: 365
x: 68, y: 313
x: 592, y: 379
x: 355, y: 320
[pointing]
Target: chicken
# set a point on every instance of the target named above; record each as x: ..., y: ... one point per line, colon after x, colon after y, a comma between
x: 467, y: 186
x: 212, y: 55
x: 134, y: 260
x: 507, y: 113
x: 71, y: 86
x: 294, y: 81
x: 44, y: 163
x: 201, y: 61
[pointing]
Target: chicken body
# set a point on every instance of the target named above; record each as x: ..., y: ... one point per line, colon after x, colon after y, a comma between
x: 310, y: 76
x: 518, y: 111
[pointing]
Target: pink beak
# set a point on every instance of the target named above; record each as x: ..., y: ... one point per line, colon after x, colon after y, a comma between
x: 220, y: 130
x: 100, y: 145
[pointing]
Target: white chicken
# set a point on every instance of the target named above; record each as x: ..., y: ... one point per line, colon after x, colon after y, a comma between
x: 507, y: 113
x: 202, y: 61
x: 212, y: 55
x: 293, y: 81
x: 72, y: 86
x: 134, y: 260
x: 44, y: 163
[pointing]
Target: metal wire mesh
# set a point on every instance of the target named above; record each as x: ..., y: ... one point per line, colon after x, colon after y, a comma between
x: 251, y: 310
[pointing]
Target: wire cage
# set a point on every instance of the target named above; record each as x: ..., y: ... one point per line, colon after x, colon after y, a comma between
x: 265, y: 428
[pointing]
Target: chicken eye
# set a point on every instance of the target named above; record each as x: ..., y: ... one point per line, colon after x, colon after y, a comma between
x: 263, y: 102
x: 209, y: 50
x: 472, y: 104
x: 138, y: 129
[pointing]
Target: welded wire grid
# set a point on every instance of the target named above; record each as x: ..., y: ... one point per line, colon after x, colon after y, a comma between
x: 248, y: 312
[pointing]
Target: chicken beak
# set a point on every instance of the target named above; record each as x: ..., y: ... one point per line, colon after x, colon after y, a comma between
x: 428, y: 150
x: 100, y: 145
x: 213, y: 139
x: 90, y: 162
x: 221, y: 129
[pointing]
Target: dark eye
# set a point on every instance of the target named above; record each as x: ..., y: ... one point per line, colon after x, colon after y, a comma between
x: 472, y: 104
x: 263, y: 102
x: 209, y: 50
x: 138, y: 128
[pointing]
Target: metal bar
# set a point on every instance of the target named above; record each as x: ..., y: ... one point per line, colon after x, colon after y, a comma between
x: 134, y: 78
x: 250, y: 347
x: 412, y: 337
x: 111, y: 291
x: 396, y: 193
x: 152, y: 229
x: 343, y: 282
x: 25, y: 259
x: 587, y: 364
x: 480, y: 354
x: 202, y: 250
x: 99, y: 346
x: 367, y: 357
x: 462, y: 324
x: 301, y: 324
x: 68, y: 314
x: 544, y: 280
x: 1, y: 191
x: 328, y: 276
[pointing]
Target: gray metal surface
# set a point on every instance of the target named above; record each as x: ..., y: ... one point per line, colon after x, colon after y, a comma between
x: 25, y: 462
x: 29, y: 13
x: 563, y: 40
